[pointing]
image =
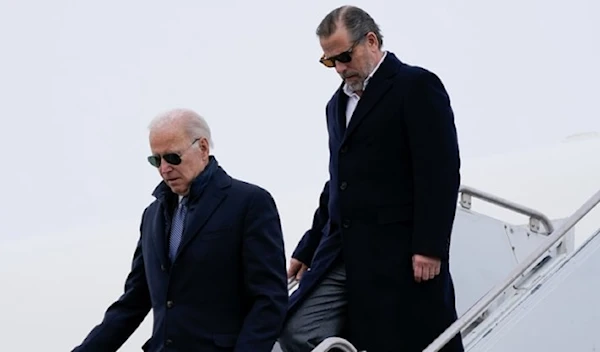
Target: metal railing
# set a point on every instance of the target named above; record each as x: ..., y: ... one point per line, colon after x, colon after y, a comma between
x: 535, y: 217
x: 466, y: 193
x: 476, y: 310
x: 335, y: 342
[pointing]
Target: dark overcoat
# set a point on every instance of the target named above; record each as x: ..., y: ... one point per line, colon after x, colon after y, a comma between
x: 392, y: 193
x: 226, y: 290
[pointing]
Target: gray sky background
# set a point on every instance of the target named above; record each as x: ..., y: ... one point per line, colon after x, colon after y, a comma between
x: 81, y: 80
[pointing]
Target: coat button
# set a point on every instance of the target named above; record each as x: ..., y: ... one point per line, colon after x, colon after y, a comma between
x: 343, y: 186
x: 344, y: 149
x: 163, y: 268
x: 169, y: 304
x: 168, y: 342
x: 346, y: 223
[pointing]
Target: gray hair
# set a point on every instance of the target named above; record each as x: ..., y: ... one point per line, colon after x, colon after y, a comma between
x: 357, y: 21
x: 195, y: 125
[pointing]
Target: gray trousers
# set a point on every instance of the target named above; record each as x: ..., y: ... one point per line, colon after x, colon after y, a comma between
x: 319, y: 316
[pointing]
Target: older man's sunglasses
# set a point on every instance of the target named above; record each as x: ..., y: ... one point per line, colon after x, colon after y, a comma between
x: 171, y: 158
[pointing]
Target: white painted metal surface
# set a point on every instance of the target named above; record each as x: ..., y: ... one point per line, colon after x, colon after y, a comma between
x: 517, y: 285
x: 559, y: 312
x: 484, y: 251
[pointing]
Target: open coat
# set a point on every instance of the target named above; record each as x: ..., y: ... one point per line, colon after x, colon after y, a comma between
x: 226, y: 289
x: 392, y: 193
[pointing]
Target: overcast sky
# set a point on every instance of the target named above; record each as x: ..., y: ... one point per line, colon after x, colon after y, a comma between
x: 81, y: 80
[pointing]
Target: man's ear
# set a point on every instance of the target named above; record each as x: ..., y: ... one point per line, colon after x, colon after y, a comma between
x: 372, y: 40
x: 204, y: 145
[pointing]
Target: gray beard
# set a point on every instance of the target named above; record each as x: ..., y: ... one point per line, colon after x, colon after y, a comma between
x: 357, y: 87
x: 360, y: 86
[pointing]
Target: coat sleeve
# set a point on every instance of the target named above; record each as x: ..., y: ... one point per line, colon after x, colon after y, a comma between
x: 435, y: 159
x: 265, y: 277
x: 125, y: 315
x: 307, y: 246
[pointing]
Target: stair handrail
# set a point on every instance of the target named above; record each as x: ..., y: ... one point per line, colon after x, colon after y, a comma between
x: 478, y: 308
x: 535, y: 217
x: 335, y: 342
x: 466, y: 192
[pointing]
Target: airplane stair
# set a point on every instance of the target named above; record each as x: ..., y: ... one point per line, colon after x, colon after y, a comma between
x: 547, y: 303
x: 494, y: 264
x: 559, y: 311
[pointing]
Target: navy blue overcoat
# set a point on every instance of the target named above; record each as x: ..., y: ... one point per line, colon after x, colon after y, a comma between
x: 392, y: 193
x: 226, y: 290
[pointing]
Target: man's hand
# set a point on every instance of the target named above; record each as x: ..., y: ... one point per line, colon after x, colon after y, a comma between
x: 425, y: 268
x: 297, y: 269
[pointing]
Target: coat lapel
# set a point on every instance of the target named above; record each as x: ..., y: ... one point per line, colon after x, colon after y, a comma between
x: 159, y: 234
x: 340, y: 112
x: 201, y: 209
x: 378, y: 86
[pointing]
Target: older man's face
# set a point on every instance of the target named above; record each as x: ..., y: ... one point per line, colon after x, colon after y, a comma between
x: 193, y: 153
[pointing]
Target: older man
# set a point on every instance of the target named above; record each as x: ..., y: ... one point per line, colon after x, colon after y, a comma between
x: 210, y: 260
x: 378, y: 256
